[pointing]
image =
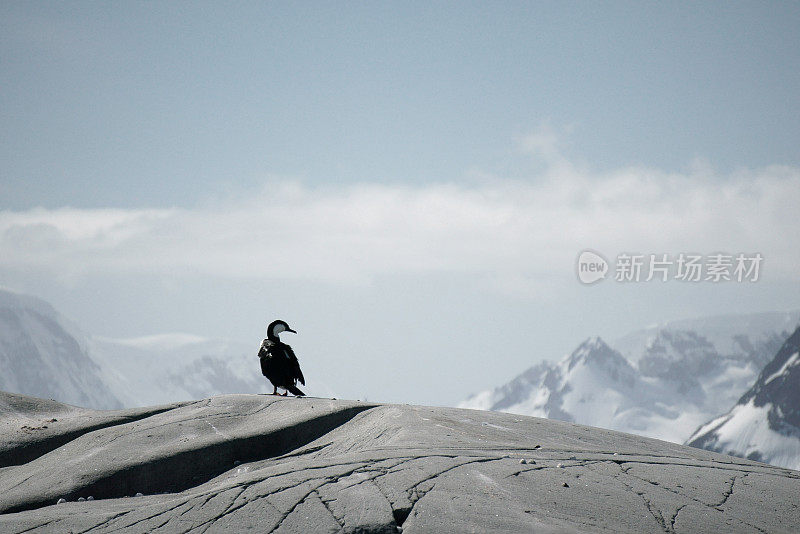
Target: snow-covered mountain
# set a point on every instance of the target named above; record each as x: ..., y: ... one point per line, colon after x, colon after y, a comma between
x: 172, y: 367
x: 753, y: 336
x: 663, y: 381
x: 45, y: 355
x: 765, y: 424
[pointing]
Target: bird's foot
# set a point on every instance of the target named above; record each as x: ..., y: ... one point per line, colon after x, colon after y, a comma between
x: 285, y: 393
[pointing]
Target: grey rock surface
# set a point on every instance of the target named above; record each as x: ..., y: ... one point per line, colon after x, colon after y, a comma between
x: 254, y: 462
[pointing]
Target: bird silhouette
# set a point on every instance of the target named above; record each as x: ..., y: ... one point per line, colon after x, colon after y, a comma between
x: 278, y: 362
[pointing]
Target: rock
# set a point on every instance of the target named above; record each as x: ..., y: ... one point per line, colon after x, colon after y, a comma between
x: 319, y: 465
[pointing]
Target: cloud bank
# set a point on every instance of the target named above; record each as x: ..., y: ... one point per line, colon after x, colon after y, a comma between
x: 495, y: 228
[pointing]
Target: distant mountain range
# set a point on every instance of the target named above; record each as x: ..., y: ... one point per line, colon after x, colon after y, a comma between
x: 44, y: 354
x: 664, y: 381
x: 765, y: 424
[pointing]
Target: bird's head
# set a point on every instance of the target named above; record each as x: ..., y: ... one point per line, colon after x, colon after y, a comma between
x: 276, y: 327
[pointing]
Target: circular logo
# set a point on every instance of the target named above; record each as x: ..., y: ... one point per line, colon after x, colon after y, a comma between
x: 591, y: 267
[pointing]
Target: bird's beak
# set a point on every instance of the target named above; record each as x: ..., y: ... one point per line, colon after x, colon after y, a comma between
x: 290, y: 330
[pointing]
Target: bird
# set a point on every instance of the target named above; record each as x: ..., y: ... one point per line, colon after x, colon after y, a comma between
x: 278, y: 362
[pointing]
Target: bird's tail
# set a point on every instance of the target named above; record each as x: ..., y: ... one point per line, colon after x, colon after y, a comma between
x: 294, y: 390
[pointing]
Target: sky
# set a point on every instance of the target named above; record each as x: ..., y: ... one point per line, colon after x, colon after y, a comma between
x: 408, y: 184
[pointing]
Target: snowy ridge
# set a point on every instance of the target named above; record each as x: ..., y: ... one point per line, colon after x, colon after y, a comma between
x: 741, y: 335
x: 791, y: 362
x: 662, y: 382
x: 745, y: 431
x: 174, y: 367
x: 765, y: 424
x: 594, y: 385
x: 44, y: 354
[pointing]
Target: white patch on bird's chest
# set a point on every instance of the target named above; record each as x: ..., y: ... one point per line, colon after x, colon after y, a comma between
x: 266, y: 346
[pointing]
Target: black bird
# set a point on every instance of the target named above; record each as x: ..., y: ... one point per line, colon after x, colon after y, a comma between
x: 278, y: 362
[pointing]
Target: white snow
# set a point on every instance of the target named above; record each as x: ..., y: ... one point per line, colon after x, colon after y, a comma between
x: 708, y: 427
x: 174, y: 367
x: 746, y: 431
x: 790, y: 362
x: 480, y: 401
x: 44, y: 354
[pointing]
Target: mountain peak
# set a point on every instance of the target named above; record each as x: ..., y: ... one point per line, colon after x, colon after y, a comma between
x: 42, y: 353
x: 595, y: 351
x: 779, y: 384
x: 589, y: 346
x: 662, y: 382
x: 18, y: 301
x: 677, y: 342
x: 765, y: 424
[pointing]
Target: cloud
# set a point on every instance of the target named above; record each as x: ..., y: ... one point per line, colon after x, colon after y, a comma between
x: 545, y: 144
x: 517, y: 233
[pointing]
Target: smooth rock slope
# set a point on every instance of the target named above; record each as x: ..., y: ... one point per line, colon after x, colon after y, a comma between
x: 239, y: 462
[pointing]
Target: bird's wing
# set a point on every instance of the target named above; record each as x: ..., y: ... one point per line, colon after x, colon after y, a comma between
x: 264, y: 355
x: 294, y: 365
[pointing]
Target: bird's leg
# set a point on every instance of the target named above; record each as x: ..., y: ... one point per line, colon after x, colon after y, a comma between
x: 274, y: 391
x: 285, y: 392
